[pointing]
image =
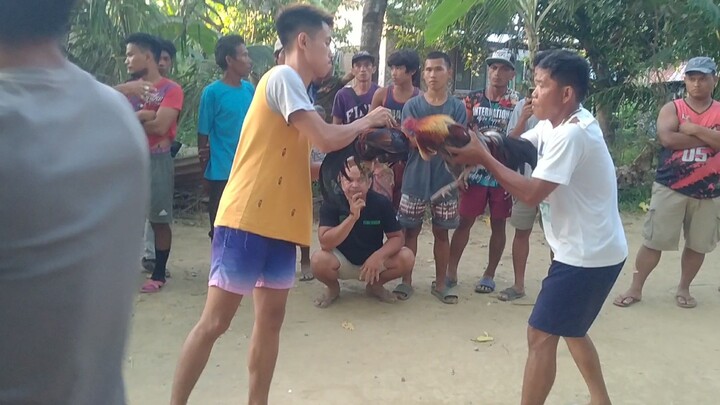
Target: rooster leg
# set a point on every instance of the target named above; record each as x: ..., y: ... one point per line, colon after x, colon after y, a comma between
x: 460, y: 182
x: 444, y: 192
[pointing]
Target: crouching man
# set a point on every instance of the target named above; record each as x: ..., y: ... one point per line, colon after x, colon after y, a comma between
x: 351, y: 241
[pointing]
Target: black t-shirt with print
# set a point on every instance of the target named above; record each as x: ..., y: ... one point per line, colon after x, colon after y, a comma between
x: 368, y: 233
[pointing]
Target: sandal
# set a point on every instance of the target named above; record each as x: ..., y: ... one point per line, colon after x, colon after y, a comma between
x: 510, y: 294
x: 485, y: 286
x: 685, y: 302
x: 447, y: 296
x: 624, y: 301
x: 306, y: 273
x: 403, y: 291
x: 151, y: 286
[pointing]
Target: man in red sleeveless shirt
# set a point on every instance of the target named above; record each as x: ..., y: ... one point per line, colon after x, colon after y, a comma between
x: 686, y: 192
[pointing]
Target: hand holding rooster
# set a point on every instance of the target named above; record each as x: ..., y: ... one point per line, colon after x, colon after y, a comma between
x: 474, y: 153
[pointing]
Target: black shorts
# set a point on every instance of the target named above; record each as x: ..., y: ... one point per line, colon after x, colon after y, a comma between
x: 216, y: 188
x: 571, y: 298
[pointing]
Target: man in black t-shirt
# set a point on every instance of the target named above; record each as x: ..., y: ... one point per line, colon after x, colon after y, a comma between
x: 351, y: 240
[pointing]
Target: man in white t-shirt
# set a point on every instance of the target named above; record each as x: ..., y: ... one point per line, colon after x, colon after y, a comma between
x: 74, y: 170
x: 575, y: 186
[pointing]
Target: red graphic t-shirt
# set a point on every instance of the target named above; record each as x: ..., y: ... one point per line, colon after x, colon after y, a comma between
x: 694, y: 172
x: 169, y: 95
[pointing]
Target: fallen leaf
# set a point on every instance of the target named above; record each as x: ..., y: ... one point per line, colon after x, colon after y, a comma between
x: 644, y: 206
x: 348, y: 325
x: 484, y: 338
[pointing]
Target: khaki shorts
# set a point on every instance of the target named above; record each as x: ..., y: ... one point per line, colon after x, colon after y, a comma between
x: 671, y: 211
x: 523, y: 216
x: 347, y: 270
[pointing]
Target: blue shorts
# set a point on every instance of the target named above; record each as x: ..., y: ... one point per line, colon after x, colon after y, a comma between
x: 571, y: 297
x: 241, y: 261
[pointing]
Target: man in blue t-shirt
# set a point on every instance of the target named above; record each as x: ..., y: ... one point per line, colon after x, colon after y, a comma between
x: 223, y: 107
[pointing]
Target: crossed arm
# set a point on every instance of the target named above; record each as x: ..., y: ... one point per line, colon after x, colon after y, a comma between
x: 675, y: 135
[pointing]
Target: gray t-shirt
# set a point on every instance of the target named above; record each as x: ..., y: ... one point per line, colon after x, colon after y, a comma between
x: 515, y: 117
x: 423, y: 178
x: 74, y: 175
x: 530, y: 124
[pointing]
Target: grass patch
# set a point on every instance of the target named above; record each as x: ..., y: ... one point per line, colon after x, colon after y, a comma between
x: 629, y: 200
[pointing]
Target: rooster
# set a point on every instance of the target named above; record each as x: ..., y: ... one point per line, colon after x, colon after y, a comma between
x: 374, y: 145
x: 433, y: 133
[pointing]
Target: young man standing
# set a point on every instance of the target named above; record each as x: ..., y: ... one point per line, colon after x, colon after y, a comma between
x: 523, y: 216
x: 405, y: 69
x: 487, y: 109
x: 265, y: 211
x: 279, y: 53
x: 326, y: 88
x: 685, y: 194
x: 351, y: 241
x: 74, y: 195
x: 575, y: 184
x: 223, y: 106
x: 158, y: 112
x: 424, y: 178
x: 352, y: 103
x: 167, y: 57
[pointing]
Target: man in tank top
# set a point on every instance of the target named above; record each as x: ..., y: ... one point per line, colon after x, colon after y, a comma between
x: 685, y: 194
x: 405, y: 72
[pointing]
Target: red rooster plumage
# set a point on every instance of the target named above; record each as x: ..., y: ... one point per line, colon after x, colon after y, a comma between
x: 433, y: 133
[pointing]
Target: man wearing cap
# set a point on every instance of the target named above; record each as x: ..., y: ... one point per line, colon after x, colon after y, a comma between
x: 279, y: 53
x: 488, y: 109
x: 685, y: 194
x: 353, y: 103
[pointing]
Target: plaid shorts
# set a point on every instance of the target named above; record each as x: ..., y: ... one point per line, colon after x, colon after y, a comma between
x: 412, y: 212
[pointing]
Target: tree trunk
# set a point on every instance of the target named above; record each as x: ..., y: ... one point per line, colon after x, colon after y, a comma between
x: 603, y: 114
x: 372, y: 28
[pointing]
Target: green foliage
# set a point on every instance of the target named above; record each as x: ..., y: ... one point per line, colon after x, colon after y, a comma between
x: 98, y: 31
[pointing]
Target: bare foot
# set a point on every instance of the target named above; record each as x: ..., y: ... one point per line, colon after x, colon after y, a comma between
x: 330, y: 296
x: 630, y: 297
x: 380, y: 293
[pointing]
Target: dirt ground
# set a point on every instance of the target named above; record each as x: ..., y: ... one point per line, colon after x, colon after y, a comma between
x: 360, y: 351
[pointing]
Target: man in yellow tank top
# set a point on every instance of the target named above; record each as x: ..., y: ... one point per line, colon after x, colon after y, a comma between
x: 266, y: 208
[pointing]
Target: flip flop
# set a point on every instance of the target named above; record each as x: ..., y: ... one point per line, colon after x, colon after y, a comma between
x: 685, y: 302
x: 151, y: 286
x: 485, y: 286
x: 510, y: 294
x: 447, y: 296
x: 306, y: 273
x: 624, y: 301
x: 403, y: 292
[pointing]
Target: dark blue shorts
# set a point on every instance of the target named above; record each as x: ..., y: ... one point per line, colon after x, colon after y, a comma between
x: 571, y: 297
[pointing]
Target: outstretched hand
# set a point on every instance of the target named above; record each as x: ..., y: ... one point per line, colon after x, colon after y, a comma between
x: 474, y: 153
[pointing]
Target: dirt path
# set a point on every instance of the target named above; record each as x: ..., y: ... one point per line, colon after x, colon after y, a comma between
x: 420, y: 351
